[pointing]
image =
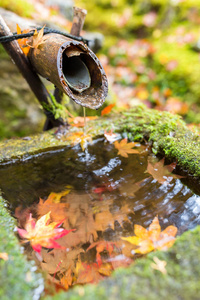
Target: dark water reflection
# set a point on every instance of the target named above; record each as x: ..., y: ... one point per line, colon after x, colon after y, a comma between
x: 109, y: 195
x: 174, y: 203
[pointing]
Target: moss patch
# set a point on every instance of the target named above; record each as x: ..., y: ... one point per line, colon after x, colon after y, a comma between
x: 140, y: 281
x: 168, y: 133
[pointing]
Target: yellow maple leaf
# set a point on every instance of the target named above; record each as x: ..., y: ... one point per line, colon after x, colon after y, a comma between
x: 23, y: 43
x: 124, y: 148
x: 80, y: 138
x: 153, y: 238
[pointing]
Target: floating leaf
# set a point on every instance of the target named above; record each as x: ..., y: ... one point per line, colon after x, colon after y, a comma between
x: 80, y: 138
x: 152, y: 239
x: 124, y: 148
x: 160, y: 172
x: 42, y: 233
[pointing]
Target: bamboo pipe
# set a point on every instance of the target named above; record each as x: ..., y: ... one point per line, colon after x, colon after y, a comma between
x: 70, y: 65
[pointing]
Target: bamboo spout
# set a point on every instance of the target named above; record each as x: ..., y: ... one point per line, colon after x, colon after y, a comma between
x: 73, y: 68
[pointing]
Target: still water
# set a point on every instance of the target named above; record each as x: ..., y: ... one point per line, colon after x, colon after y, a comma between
x: 99, y: 194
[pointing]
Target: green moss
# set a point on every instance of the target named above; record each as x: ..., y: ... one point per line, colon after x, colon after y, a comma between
x: 168, y: 134
x: 17, y: 279
x: 20, y: 7
x: 140, y: 281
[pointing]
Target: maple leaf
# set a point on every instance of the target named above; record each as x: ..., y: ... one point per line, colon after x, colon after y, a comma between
x: 42, y: 233
x: 23, y: 42
x: 37, y: 38
x: 107, y: 109
x: 159, y: 265
x: 80, y: 138
x: 124, y: 148
x: 152, y: 239
x: 160, y: 172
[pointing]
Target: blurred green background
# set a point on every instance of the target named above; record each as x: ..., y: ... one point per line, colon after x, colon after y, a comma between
x: 151, y: 54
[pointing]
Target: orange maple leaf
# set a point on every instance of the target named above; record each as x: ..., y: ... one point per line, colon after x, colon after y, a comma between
x: 152, y: 239
x: 23, y: 42
x: 107, y: 109
x: 124, y: 148
x: 42, y: 233
x: 160, y: 172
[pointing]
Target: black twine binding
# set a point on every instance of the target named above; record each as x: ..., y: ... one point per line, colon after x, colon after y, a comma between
x: 15, y: 36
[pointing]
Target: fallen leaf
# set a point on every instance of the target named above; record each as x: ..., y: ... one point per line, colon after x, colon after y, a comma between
x: 103, y: 220
x: 42, y: 233
x: 107, y: 109
x: 110, y: 136
x: 124, y: 148
x: 37, y: 38
x: 160, y: 172
x: 4, y: 255
x: 159, y: 265
x: 23, y: 42
x: 176, y: 106
x: 80, y: 138
x: 152, y: 239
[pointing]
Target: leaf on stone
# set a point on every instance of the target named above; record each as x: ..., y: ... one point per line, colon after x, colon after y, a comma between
x: 160, y: 172
x: 42, y: 233
x: 103, y: 220
x: 125, y: 148
x: 80, y: 138
x: 153, y: 238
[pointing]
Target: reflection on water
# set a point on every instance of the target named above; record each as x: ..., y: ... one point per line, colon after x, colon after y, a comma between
x: 108, y: 194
